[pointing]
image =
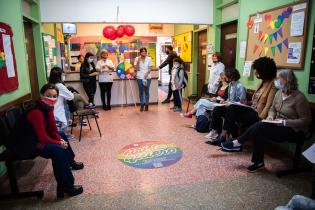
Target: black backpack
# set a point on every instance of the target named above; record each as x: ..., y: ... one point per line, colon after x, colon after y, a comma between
x: 203, y: 124
x: 23, y: 140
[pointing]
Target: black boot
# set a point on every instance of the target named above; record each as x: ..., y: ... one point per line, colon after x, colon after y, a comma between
x: 146, y: 108
x: 77, y: 165
x: 109, y: 107
x: 71, y: 191
x: 141, y: 108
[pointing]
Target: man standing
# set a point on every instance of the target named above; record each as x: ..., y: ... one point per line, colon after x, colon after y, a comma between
x: 169, y: 60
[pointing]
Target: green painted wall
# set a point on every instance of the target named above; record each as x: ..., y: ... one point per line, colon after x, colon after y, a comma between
x: 11, y: 13
x: 248, y: 7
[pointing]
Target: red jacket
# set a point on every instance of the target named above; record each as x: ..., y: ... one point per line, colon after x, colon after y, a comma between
x: 46, y: 131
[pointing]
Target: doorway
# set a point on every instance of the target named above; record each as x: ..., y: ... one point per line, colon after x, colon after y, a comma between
x: 202, y: 54
x: 228, y: 44
x: 30, y: 55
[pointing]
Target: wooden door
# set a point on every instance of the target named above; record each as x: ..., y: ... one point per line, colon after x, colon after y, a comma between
x: 228, y: 44
x: 202, y: 55
x: 30, y: 55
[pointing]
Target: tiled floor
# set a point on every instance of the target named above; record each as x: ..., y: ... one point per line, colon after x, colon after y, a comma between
x: 204, y: 178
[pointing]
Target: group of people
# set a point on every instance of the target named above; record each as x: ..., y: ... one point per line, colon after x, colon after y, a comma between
x: 277, y: 111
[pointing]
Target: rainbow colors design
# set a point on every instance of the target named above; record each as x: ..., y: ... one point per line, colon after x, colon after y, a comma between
x: 150, y: 154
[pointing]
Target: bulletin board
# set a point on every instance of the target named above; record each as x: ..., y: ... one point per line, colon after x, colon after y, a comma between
x: 279, y: 33
x: 183, y: 46
x: 50, y: 52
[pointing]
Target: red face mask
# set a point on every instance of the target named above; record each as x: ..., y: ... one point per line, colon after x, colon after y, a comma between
x: 214, y: 59
x: 49, y: 101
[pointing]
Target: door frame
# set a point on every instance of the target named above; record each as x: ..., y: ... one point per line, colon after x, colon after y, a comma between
x: 198, y: 56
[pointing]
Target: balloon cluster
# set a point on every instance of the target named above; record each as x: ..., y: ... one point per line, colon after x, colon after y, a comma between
x: 125, y: 70
x: 2, y: 59
x: 111, y: 33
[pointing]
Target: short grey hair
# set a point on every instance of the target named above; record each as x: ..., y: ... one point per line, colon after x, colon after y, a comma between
x: 291, y: 80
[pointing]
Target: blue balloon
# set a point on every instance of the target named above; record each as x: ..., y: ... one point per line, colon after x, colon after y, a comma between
x: 122, y: 76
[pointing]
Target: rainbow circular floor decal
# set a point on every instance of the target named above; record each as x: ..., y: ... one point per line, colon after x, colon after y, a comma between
x: 150, y: 154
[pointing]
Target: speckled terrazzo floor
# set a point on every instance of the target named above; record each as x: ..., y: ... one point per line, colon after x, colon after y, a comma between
x: 205, y: 178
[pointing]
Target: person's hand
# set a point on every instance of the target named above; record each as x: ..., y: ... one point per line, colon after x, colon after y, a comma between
x: 270, y: 118
x: 64, y: 144
x: 213, y: 99
x: 146, y: 75
x: 209, y: 86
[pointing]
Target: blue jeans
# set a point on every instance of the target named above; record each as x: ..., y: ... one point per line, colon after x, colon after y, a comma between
x: 61, y: 161
x: 146, y: 89
x: 177, y: 98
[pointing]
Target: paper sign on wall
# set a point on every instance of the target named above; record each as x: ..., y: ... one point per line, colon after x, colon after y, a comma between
x: 294, y: 52
x: 8, y: 55
x: 297, y: 24
x: 247, y: 68
x: 242, y: 49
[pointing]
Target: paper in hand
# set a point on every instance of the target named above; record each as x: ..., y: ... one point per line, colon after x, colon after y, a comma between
x: 310, y: 154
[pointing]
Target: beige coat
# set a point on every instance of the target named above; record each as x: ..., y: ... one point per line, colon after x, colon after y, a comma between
x: 265, y: 99
x: 295, y: 110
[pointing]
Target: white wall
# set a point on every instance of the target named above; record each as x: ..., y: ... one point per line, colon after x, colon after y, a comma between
x: 94, y: 29
x: 130, y: 11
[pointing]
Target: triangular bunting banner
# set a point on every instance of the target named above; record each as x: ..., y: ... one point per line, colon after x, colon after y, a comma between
x: 286, y: 42
x: 260, y: 49
x: 275, y: 35
x: 266, y: 50
x: 265, y: 38
x: 273, y: 51
x: 255, y: 48
x: 279, y: 47
x: 270, y: 38
x: 260, y: 35
x: 280, y: 32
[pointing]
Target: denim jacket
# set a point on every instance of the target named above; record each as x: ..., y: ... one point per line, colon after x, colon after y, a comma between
x: 237, y: 92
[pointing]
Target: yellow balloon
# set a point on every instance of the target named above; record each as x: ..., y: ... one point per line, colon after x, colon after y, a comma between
x: 272, y: 24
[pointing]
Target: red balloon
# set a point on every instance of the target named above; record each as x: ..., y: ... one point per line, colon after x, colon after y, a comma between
x: 109, y: 31
x: 120, y: 31
x: 113, y: 37
x: 129, y: 30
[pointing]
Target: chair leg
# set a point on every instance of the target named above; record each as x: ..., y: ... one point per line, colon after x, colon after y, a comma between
x: 295, y: 168
x: 72, y: 123
x: 14, y: 187
x: 80, y: 119
x: 87, y: 117
x: 97, y: 126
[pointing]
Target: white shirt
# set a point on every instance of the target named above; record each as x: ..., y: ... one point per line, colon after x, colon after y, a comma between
x: 174, y: 71
x: 214, y: 76
x: 143, y: 67
x: 59, y: 108
x: 106, y: 75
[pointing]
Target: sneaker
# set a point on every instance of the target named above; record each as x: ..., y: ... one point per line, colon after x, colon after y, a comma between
x: 256, y: 166
x: 166, y: 101
x: 228, y: 146
x: 212, y: 135
x: 187, y: 115
x: 177, y: 109
x: 217, y: 142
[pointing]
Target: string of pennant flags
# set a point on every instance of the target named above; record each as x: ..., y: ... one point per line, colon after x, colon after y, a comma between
x: 260, y: 49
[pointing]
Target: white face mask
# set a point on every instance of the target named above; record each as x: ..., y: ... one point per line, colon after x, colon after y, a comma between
x: 63, y: 77
x: 176, y: 65
x: 90, y: 60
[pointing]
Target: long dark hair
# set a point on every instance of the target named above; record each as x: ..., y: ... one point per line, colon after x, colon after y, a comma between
x: 55, y: 75
x: 232, y: 74
x: 40, y: 105
x: 86, y: 60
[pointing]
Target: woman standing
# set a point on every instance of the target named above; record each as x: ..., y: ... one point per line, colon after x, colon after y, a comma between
x: 64, y: 96
x: 53, y: 145
x: 288, y: 119
x: 88, y: 77
x: 80, y: 61
x: 105, y: 67
x: 143, y: 65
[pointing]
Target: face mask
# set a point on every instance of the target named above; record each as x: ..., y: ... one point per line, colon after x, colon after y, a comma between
x: 278, y: 85
x: 90, y: 60
x: 63, y: 77
x: 49, y: 101
x: 214, y: 59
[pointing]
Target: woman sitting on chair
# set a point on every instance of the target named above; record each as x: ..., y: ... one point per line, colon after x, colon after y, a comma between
x: 205, y: 104
x: 53, y: 145
x: 288, y: 119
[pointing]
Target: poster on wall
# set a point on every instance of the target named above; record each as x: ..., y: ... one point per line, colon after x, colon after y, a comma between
x: 50, y: 52
x: 8, y: 70
x: 183, y: 46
